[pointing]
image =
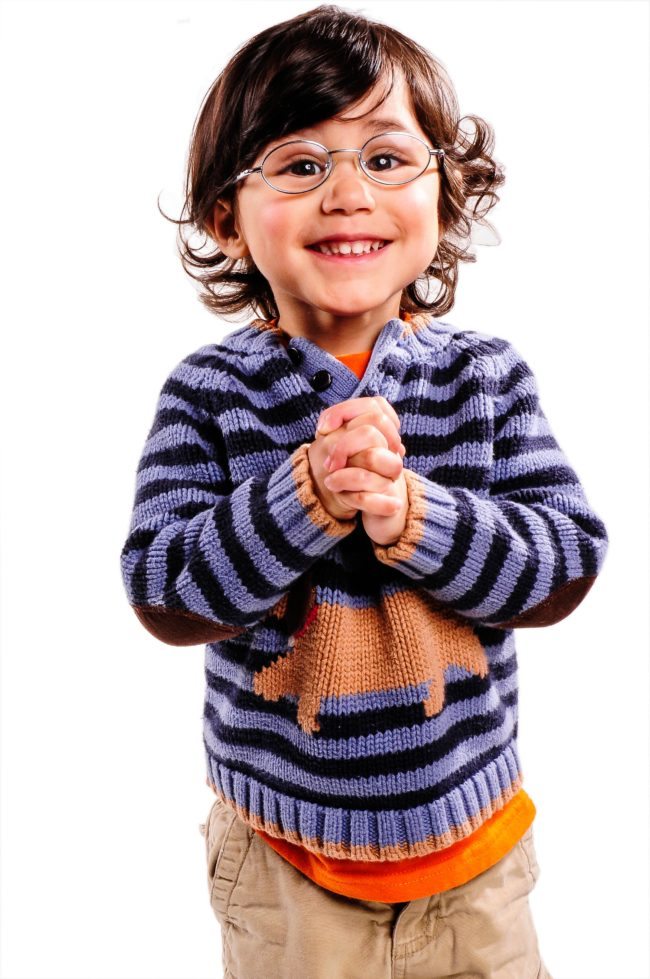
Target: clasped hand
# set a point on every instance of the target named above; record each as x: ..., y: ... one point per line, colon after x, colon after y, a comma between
x: 356, y: 464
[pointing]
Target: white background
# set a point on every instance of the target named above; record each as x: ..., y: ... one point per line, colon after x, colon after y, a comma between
x: 102, y: 775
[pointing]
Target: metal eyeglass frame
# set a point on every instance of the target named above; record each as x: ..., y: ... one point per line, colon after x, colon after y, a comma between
x: 440, y: 154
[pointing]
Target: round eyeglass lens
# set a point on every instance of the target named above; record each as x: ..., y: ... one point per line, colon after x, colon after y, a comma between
x: 296, y: 166
x: 395, y: 158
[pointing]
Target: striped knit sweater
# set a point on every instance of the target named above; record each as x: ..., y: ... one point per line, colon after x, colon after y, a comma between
x: 361, y: 700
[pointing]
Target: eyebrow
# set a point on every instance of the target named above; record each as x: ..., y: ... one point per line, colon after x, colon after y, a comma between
x: 381, y: 124
x: 376, y: 125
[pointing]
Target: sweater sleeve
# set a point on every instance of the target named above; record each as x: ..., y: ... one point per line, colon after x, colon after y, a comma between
x: 528, y: 553
x: 203, y: 561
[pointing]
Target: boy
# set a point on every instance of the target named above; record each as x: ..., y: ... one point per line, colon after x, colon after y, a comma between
x: 354, y: 506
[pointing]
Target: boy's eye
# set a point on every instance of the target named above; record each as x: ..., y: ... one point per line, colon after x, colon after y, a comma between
x: 295, y: 166
x: 382, y: 161
x: 304, y: 168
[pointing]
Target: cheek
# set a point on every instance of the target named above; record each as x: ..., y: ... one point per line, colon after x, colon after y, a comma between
x: 277, y: 222
x: 422, y: 221
x: 272, y: 223
x: 272, y: 229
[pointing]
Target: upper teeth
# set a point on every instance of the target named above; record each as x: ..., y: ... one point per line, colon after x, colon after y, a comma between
x: 347, y: 247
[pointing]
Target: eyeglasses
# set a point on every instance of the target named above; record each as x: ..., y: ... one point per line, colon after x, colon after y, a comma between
x: 300, y: 165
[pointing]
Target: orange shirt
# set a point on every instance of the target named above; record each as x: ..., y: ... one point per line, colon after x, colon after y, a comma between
x: 414, y: 877
x: 356, y: 362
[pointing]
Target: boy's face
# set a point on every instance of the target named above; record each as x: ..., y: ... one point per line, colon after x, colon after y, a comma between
x: 344, y: 298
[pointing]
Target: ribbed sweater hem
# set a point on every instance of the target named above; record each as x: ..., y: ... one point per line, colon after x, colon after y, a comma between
x: 364, y: 834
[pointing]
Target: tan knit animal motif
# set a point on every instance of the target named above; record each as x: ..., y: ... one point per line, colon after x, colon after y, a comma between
x: 403, y: 642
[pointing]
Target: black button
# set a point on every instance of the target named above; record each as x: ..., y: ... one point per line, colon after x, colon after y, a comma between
x: 295, y: 355
x: 321, y: 380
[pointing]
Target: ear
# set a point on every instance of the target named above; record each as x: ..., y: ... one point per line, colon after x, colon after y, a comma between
x: 226, y: 231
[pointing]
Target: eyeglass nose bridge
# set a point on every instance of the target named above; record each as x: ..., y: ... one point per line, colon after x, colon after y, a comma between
x: 347, y: 150
x: 343, y: 149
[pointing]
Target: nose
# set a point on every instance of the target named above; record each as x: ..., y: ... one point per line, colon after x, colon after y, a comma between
x: 347, y: 188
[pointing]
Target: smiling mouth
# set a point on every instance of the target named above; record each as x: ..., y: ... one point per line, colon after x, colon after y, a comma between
x: 360, y: 247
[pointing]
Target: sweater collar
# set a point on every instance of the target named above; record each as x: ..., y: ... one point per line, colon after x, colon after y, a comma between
x: 266, y: 337
x: 321, y: 370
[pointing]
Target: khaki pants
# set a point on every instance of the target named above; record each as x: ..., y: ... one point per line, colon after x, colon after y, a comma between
x: 278, y: 924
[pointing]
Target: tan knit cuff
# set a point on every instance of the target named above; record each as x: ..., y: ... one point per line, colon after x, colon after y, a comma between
x: 402, y: 549
x: 306, y: 493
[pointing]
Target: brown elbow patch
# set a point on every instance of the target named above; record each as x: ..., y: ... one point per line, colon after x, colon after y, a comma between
x: 554, y: 608
x: 180, y: 628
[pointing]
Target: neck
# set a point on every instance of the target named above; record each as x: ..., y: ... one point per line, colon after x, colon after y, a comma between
x: 338, y: 335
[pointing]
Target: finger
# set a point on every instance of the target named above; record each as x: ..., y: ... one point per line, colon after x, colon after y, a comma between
x: 354, y: 440
x: 332, y: 418
x: 353, y: 480
x: 391, y: 449
x: 388, y: 410
x: 383, y: 423
x: 378, y: 504
x: 385, y: 461
x: 382, y: 461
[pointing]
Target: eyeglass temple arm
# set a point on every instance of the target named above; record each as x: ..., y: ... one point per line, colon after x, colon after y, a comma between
x: 246, y: 173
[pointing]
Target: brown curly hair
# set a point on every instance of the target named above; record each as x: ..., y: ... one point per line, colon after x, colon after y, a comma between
x: 296, y: 74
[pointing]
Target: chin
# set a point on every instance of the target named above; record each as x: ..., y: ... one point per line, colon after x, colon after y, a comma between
x: 348, y: 310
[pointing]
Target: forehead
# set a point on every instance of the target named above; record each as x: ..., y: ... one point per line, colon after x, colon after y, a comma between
x: 372, y: 114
